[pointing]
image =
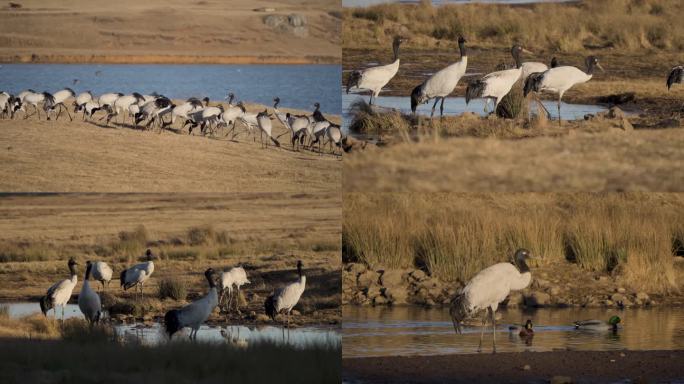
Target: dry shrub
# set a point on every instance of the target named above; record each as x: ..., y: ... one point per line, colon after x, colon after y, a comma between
x: 172, y: 288
x: 453, y: 236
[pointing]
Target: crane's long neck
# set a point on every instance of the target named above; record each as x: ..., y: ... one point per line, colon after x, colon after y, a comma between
x: 275, y: 106
x: 72, y: 269
x: 516, y: 57
x: 395, y: 49
x: 462, y: 48
x: 87, y: 273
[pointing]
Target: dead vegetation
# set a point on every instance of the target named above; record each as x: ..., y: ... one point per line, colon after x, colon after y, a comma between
x: 453, y: 236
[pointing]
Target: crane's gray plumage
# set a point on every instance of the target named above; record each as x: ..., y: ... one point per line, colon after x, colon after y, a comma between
x: 284, y: 299
x: 195, y: 313
x: 60, y: 293
x: 373, y: 79
x: 88, y: 300
x: 138, y: 274
x: 442, y: 83
x: 487, y: 289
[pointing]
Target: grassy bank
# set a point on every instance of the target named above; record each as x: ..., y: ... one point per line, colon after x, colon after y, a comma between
x: 453, y: 236
x: 49, y: 361
x: 561, y: 27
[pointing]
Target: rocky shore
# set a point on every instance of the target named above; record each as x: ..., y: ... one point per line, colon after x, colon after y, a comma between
x: 555, y: 286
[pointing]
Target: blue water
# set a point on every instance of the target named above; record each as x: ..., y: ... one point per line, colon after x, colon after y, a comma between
x: 298, y: 86
x: 366, y: 3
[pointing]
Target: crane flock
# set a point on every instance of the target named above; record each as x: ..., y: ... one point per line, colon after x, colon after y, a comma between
x: 534, y: 76
x: 155, y: 111
x: 193, y: 315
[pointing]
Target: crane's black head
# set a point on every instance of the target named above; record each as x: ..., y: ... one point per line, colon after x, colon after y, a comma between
x: 462, y: 40
x: 276, y: 100
x: 209, y: 275
x: 593, y: 62
x: 528, y: 325
x: 72, y: 265
x: 317, y: 105
x: 89, y: 267
x: 148, y: 255
x: 520, y: 259
x: 206, y: 101
x: 299, y: 267
x: 554, y: 62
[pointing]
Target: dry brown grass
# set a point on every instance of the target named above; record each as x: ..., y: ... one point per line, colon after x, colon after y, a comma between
x: 454, y: 236
x: 568, y: 27
x: 34, y: 326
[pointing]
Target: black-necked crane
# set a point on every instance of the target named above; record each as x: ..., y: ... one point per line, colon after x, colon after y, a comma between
x: 6, y: 104
x: 88, y: 300
x: 334, y: 134
x: 34, y: 99
x: 375, y: 78
x: 195, y: 313
x: 138, y: 274
x: 57, y: 101
x: 89, y: 108
x: 318, y: 133
x: 300, y: 125
x: 184, y: 110
x: 102, y: 272
x: 265, y: 127
x: 284, y: 299
x: 237, y: 277
x: 155, y: 111
x: 442, y: 83
x: 676, y: 76
x: 106, y: 101
x: 81, y: 100
x: 497, y: 84
x: 122, y: 105
x: 559, y: 79
x: 488, y: 289
x: 282, y: 118
x: 58, y: 295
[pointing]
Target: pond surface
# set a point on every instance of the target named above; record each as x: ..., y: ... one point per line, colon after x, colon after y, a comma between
x: 368, y: 331
x: 239, y: 335
x: 457, y: 105
x: 366, y: 3
x: 298, y: 86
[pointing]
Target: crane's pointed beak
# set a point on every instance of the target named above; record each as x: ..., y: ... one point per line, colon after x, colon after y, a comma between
x: 600, y: 67
x: 528, y: 52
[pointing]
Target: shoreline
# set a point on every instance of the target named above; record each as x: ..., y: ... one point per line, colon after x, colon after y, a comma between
x: 166, y: 59
x: 577, y: 366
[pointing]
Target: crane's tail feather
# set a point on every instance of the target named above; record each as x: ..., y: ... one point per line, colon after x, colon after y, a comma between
x: 275, y: 142
x: 45, y: 304
x: 416, y: 98
x: 474, y: 90
x: 533, y: 83
x: 353, y: 80
x: 122, y: 279
x: 459, y: 311
x: 269, y: 306
x: 676, y: 76
x: 172, y: 322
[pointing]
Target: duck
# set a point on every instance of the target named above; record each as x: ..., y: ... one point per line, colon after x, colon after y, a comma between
x: 599, y: 325
x: 525, y: 331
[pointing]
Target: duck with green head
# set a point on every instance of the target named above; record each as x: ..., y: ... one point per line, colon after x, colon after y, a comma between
x: 599, y: 325
x: 526, y: 330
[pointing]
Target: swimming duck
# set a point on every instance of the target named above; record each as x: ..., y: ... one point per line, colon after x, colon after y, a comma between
x: 525, y: 331
x: 599, y: 325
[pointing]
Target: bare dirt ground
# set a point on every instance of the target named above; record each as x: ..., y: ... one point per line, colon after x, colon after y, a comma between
x: 579, y: 367
x: 265, y: 233
x: 649, y: 160
x: 64, y: 156
x: 157, y: 31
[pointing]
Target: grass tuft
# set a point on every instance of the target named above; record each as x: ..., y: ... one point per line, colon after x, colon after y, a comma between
x: 172, y: 288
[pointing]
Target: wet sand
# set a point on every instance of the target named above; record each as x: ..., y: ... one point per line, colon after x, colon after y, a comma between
x: 582, y: 367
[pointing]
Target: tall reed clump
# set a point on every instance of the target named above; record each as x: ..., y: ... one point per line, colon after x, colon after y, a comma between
x: 453, y: 236
x: 172, y: 288
x: 131, y: 244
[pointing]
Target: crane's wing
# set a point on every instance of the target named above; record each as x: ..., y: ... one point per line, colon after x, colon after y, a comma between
x: 57, y: 287
x: 490, y: 285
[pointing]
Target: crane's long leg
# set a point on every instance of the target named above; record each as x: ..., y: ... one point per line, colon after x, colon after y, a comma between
x: 559, y: 113
x: 237, y: 302
x: 482, y: 329
x: 433, y: 107
x: 370, y: 102
x: 441, y: 108
x: 491, y: 314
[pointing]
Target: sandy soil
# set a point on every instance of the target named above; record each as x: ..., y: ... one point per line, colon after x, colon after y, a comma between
x: 167, y: 32
x: 641, y: 160
x: 268, y: 233
x: 64, y: 156
x: 582, y: 367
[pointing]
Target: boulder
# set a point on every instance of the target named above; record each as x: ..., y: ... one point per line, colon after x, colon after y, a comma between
x: 616, y: 113
x: 418, y: 275
x: 391, y: 278
x: 554, y: 291
x: 366, y: 279
x: 397, y: 295
x: 261, y: 318
x: 618, y: 297
x: 643, y: 296
x: 355, y: 268
x: 537, y: 299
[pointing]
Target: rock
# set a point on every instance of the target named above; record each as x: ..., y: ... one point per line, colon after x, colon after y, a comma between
x: 540, y: 283
x: 620, y: 290
x: 643, y: 296
x: 418, y: 275
x: 379, y: 300
x: 356, y: 269
x: 296, y: 20
x: 294, y: 24
x: 537, y: 299
x: 515, y: 299
x: 554, y: 291
x: 397, y: 295
x: 373, y: 292
x: 366, y: 279
x: 609, y: 303
x: 618, y: 297
x: 561, y: 380
x: 616, y: 113
x: 391, y: 278
x: 261, y: 318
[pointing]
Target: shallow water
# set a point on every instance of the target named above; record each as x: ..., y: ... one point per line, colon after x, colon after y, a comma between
x: 298, y: 86
x: 240, y: 335
x: 417, y: 331
x: 457, y: 105
x: 366, y: 3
